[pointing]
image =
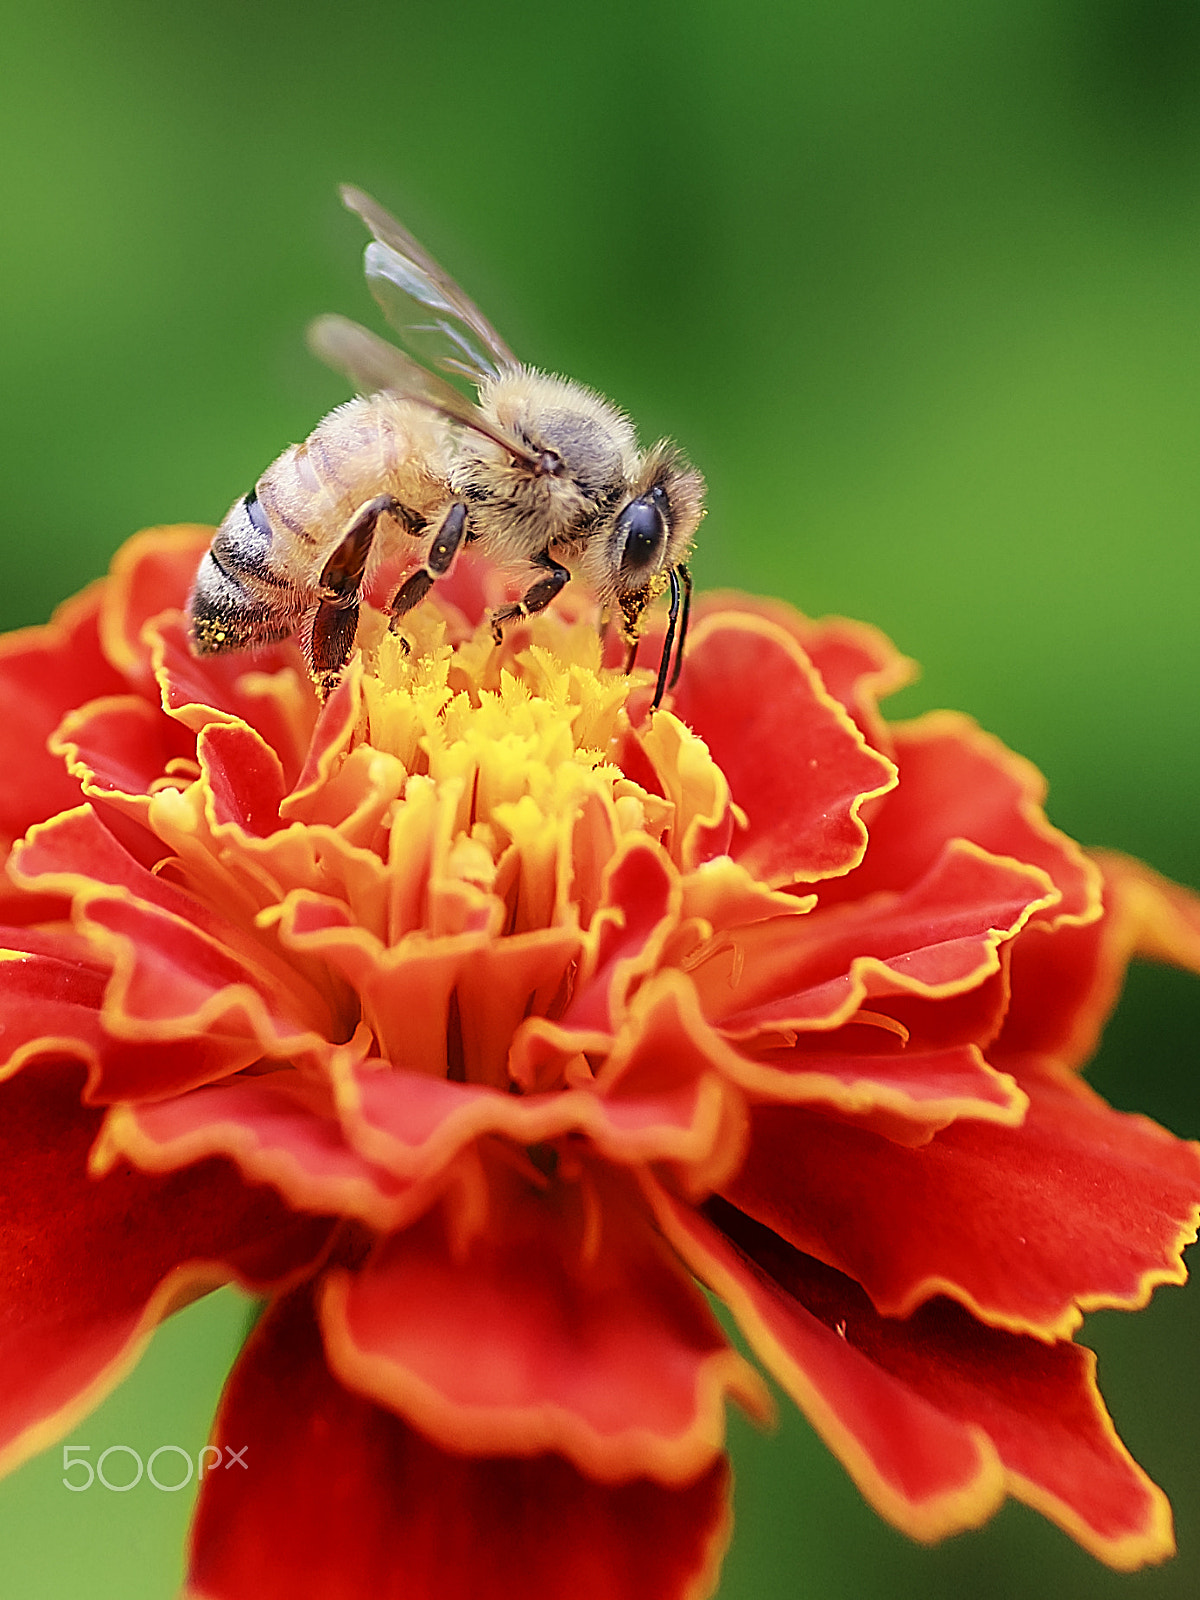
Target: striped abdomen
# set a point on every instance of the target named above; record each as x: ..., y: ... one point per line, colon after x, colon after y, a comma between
x: 260, y: 574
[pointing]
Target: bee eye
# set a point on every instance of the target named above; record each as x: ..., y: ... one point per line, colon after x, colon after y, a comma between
x: 643, y: 529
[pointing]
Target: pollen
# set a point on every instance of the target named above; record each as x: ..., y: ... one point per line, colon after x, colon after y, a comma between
x: 510, y: 758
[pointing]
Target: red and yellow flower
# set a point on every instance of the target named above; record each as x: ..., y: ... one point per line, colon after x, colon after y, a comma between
x: 480, y: 1016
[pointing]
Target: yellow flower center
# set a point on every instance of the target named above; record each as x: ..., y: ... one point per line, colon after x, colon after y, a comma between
x: 515, y: 756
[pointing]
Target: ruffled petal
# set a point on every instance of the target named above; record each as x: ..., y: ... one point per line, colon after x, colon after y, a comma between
x: 1065, y: 982
x: 244, y: 777
x: 270, y: 691
x: 803, y: 819
x: 638, y: 911
x: 1079, y: 1207
x: 121, y: 749
x: 936, y: 939
x: 339, y: 1499
x: 179, y: 969
x: 51, y: 1002
x: 279, y: 1130
x: 597, y: 1346
x: 935, y: 1416
x: 88, y: 1268
x: 905, y: 1094
x: 415, y: 1123
x: 858, y: 664
x: 151, y: 573
x: 44, y: 673
x: 957, y: 782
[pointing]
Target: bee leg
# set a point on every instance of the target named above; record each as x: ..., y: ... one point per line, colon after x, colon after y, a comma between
x: 336, y: 621
x: 536, y: 598
x: 632, y: 606
x: 334, y: 628
x: 442, y: 552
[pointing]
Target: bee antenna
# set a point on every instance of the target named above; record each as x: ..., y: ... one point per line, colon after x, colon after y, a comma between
x: 664, y: 664
x: 683, y: 622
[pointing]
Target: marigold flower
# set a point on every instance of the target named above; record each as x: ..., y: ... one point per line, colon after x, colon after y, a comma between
x: 479, y: 1016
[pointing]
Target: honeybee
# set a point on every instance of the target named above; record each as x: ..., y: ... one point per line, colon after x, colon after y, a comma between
x: 544, y: 475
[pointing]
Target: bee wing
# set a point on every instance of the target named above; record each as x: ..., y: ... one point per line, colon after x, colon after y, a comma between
x: 436, y: 320
x: 372, y: 365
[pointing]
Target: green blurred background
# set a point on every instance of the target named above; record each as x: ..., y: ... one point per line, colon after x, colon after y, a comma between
x: 918, y: 286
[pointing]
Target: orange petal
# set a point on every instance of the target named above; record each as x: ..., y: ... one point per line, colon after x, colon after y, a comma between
x: 416, y: 1124
x: 269, y: 690
x: 639, y: 908
x: 179, y: 968
x: 120, y: 748
x: 279, y: 1130
x: 905, y: 1094
x: 150, y: 573
x: 50, y: 1006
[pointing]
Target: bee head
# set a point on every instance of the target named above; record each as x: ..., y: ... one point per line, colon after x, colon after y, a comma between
x: 651, y: 530
x: 580, y: 483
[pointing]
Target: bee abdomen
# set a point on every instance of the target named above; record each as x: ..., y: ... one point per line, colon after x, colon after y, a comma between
x: 238, y: 600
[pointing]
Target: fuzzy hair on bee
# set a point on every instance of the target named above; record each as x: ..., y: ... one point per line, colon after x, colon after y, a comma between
x: 544, y: 476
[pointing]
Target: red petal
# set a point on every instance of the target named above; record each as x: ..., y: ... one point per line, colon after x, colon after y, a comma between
x: 120, y: 747
x: 935, y: 1416
x: 858, y: 664
x: 244, y: 776
x: 44, y: 673
x: 939, y: 937
x: 328, y: 742
x: 1078, y: 1207
x: 905, y: 1093
x: 1065, y: 983
x: 414, y: 1123
x: 958, y: 782
x: 50, y: 1005
x: 89, y: 1267
x: 796, y: 764
x: 943, y: 1022
x: 339, y: 1500
x: 639, y: 909
x: 151, y: 573
x: 180, y: 969
x: 278, y: 1131
x: 596, y: 1345
x: 268, y: 690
